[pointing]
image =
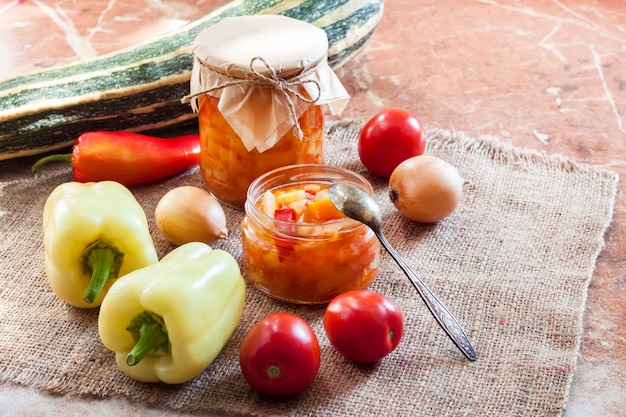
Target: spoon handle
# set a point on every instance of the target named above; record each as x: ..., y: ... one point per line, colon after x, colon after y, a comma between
x: 445, y: 319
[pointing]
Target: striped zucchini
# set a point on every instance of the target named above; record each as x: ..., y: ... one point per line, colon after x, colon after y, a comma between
x: 139, y: 89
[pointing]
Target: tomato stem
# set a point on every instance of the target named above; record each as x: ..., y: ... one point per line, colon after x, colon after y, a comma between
x: 273, y: 372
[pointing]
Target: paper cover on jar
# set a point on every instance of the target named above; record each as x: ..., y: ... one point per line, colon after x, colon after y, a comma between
x: 266, y: 70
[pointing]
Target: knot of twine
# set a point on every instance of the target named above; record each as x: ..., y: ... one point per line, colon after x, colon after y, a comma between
x: 287, y: 86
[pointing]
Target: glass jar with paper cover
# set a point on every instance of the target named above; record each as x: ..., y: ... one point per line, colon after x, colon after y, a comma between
x: 259, y: 84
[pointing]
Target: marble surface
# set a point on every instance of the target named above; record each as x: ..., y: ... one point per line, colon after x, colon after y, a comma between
x: 547, y: 75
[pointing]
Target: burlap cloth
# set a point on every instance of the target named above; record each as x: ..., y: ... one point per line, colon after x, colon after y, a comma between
x: 513, y: 263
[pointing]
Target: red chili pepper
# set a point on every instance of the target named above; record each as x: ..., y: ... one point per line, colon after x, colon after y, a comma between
x: 128, y: 158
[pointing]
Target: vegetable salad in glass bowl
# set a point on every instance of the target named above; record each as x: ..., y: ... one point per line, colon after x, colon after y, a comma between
x: 297, y: 246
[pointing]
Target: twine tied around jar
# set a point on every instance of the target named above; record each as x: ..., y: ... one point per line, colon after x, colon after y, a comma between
x: 287, y: 86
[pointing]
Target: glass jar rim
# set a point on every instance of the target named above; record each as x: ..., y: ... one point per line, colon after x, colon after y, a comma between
x: 302, y: 174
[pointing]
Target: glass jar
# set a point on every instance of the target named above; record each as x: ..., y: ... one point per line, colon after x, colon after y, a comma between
x: 228, y: 168
x: 259, y: 99
x: 306, y: 263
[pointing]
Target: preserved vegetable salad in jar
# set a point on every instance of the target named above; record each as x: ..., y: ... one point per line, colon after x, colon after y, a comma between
x: 259, y: 99
x: 297, y: 246
x: 228, y: 168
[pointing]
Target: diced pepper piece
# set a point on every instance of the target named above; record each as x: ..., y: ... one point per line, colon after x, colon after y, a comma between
x: 283, y: 244
x: 321, y: 211
x: 285, y: 214
x: 312, y: 189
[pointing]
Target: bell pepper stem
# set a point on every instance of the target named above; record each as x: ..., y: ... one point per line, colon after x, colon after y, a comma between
x: 102, y: 261
x: 66, y: 157
x: 150, y: 336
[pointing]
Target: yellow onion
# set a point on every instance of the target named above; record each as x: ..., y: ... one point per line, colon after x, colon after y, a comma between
x: 425, y: 188
x: 190, y: 214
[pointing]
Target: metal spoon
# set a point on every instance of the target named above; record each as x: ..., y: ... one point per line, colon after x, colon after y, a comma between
x: 358, y: 205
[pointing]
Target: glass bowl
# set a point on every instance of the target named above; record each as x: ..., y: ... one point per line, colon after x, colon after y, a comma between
x: 306, y: 262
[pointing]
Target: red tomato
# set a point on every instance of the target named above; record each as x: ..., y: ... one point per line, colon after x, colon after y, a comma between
x: 363, y: 326
x: 389, y: 138
x: 280, y: 355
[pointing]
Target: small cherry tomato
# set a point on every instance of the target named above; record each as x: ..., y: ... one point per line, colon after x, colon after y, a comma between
x: 280, y: 355
x: 363, y: 326
x: 389, y: 138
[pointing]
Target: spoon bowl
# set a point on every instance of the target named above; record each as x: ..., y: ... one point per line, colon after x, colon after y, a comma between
x: 358, y: 205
